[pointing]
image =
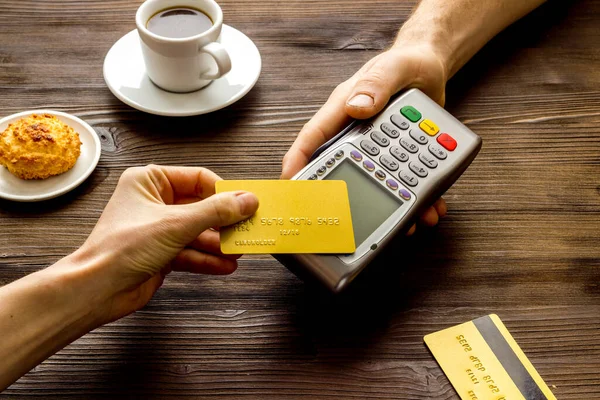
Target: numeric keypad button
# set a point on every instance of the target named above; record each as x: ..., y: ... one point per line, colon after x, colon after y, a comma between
x: 380, y: 139
x: 400, y: 154
x: 389, y: 162
x: 409, y: 145
x: 418, y: 169
x: 409, y: 178
x: 390, y: 130
x: 420, y: 137
x: 369, y: 147
x: 428, y: 160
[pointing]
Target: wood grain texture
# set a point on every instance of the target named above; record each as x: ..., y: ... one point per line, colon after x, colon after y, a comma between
x: 521, y: 238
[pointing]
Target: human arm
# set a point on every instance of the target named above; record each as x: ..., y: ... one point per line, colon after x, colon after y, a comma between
x: 433, y: 44
x: 157, y: 221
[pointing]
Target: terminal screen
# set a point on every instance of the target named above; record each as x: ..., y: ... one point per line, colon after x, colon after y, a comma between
x: 370, y: 203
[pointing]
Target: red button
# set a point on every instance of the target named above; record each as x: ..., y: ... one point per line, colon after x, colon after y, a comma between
x: 447, y: 141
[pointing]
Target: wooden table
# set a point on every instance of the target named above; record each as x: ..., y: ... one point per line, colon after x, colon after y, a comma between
x: 521, y: 239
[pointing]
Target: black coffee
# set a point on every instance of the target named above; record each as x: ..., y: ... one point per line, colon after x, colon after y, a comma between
x: 179, y: 22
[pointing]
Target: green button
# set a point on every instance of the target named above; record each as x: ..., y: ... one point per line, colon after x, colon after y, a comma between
x: 411, y: 113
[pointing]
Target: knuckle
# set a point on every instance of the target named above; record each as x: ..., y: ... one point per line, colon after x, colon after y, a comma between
x: 305, y: 128
x: 313, y: 129
x: 320, y: 134
x: 151, y: 169
x: 223, y: 208
x: 375, y: 78
x: 131, y: 174
x: 199, y: 188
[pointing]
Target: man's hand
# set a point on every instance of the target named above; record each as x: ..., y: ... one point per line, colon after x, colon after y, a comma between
x: 367, y: 93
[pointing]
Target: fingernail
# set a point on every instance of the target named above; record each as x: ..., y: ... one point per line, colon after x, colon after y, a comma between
x: 248, y: 202
x: 361, y: 101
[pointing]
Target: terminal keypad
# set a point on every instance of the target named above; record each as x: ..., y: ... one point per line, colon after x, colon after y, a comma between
x: 409, y: 145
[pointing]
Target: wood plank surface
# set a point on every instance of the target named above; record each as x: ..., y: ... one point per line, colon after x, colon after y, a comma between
x: 521, y: 239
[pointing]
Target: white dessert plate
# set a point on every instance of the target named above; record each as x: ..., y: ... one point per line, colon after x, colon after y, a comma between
x: 125, y: 75
x: 17, y: 189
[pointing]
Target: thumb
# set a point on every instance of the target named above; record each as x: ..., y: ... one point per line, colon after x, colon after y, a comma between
x: 377, y: 81
x: 391, y: 71
x: 221, y: 209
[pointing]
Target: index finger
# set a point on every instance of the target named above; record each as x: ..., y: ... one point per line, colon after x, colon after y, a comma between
x: 183, y: 184
x: 324, y: 125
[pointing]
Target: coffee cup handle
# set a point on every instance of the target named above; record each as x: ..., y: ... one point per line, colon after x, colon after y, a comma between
x: 221, y: 57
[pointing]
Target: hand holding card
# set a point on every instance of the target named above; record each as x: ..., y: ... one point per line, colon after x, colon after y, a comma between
x: 292, y: 217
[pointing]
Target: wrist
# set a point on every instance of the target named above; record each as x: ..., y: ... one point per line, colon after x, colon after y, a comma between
x: 428, y: 36
x: 84, y: 289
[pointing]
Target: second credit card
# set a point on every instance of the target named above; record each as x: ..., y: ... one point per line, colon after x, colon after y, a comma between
x: 483, y: 362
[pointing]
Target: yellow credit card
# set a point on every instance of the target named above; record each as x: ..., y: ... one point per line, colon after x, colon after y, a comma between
x: 292, y: 217
x: 483, y: 362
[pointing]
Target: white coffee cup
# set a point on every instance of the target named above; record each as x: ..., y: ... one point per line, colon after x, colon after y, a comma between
x: 183, y: 64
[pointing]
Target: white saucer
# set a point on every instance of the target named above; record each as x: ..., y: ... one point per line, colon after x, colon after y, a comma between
x: 17, y: 189
x: 125, y: 75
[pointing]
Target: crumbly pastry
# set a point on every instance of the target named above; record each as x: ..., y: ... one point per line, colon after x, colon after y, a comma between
x: 38, y: 147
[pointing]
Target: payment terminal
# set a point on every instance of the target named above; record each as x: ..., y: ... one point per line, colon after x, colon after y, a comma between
x: 395, y: 165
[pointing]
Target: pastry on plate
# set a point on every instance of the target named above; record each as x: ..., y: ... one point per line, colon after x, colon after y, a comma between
x: 39, y: 146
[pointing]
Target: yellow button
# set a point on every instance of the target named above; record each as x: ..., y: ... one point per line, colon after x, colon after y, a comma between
x: 429, y: 127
